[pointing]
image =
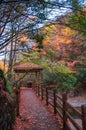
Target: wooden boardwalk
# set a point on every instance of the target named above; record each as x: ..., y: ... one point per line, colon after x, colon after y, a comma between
x: 34, y: 114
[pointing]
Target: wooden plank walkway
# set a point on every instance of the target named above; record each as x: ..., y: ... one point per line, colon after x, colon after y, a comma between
x: 34, y: 114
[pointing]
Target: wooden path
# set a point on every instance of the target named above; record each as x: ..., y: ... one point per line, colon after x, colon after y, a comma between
x: 34, y: 114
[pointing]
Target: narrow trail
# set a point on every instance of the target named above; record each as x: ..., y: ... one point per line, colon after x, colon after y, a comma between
x: 34, y: 114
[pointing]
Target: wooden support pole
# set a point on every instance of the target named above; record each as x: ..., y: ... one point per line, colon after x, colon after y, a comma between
x: 54, y: 94
x: 83, y: 108
x: 46, y: 96
x: 17, y: 101
x: 42, y: 93
x: 64, y: 111
x: 38, y: 90
x: 36, y: 83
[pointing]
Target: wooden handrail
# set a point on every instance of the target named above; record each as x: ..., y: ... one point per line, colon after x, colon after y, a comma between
x: 77, y: 112
x: 83, y: 108
x: 58, y: 96
x: 60, y: 114
x: 61, y: 107
x: 73, y: 121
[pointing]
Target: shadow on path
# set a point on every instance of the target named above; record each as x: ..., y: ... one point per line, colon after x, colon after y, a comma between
x: 33, y: 113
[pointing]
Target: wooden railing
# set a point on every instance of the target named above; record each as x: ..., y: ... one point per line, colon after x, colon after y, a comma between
x: 72, y: 118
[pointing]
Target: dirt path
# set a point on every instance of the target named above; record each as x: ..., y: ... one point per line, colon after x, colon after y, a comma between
x: 34, y: 114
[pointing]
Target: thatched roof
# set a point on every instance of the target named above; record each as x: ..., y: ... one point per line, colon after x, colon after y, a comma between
x: 27, y: 67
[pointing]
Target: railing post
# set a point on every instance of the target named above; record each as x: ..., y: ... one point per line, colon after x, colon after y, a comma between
x: 47, y: 96
x: 42, y: 93
x: 17, y: 101
x: 54, y: 95
x: 83, y: 108
x: 64, y: 110
x: 38, y: 91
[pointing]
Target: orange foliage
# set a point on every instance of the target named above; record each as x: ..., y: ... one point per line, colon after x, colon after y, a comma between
x: 72, y: 64
x: 2, y: 66
x: 69, y: 41
x: 58, y: 47
x: 24, y: 40
x: 43, y: 52
x: 62, y: 39
x: 67, y: 31
x: 45, y: 42
x: 84, y: 9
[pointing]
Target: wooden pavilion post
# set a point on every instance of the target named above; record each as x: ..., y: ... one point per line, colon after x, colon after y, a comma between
x: 38, y: 83
x: 17, y: 97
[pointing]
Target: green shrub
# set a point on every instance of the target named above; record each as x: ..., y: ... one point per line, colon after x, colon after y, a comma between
x: 81, y: 75
x: 9, y: 87
x: 62, y: 81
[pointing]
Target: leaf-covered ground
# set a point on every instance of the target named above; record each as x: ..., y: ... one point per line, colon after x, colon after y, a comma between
x: 34, y: 115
